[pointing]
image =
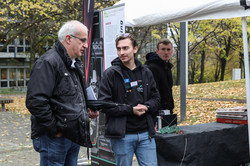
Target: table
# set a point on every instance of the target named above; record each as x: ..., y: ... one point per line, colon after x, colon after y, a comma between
x: 210, y: 144
x: 4, y: 101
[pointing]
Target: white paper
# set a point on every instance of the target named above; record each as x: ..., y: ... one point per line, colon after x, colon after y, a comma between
x: 90, y: 93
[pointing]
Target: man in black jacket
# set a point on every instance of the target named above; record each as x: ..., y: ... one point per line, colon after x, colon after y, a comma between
x: 130, y: 126
x: 158, y: 63
x: 56, y: 99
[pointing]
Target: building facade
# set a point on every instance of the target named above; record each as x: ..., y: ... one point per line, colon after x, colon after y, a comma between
x: 14, y: 64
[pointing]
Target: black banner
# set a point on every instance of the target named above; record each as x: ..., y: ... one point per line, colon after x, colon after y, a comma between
x: 88, y: 13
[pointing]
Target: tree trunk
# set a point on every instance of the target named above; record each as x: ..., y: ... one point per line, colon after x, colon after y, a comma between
x: 203, y: 54
x: 223, y: 60
x: 178, y: 68
x: 241, y: 66
x: 32, y: 49
x: 192, y: 72
x: 217, y: 72
x: 223, y: 63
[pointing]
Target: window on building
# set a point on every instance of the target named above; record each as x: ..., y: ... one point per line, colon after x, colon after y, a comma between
x: 4, y: 50
x: 20, y: 74
x: 20, y: 49
x: 12, y: 77
x: 20, y: 77
x: 4, y: 82
x: 3, y: 74
x: 11, y: 49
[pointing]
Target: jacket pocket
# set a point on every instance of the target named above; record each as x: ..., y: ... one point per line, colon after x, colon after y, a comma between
x: 66, y: 85
x: 68, y: 125
x: 74, y: 128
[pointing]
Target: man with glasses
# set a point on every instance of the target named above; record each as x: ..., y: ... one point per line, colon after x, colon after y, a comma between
x: 56, y: 99
x: 130, y: 126
x: 159, y: 63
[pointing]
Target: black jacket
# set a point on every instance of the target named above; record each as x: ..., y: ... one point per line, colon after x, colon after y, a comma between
x: 163, y: 78
x: 56, y: 97
x: 112, y: 88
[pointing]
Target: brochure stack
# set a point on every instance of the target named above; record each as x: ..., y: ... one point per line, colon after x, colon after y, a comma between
x: 236, y: 115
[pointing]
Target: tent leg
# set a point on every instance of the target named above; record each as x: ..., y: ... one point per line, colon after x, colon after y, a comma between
x: 183, y: 67
x: 246, y: 60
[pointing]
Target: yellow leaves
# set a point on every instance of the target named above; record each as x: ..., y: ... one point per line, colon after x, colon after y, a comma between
x: 18, y: 105
x: 155, y: 34
x: 3, y: 19
x: 204, y: 99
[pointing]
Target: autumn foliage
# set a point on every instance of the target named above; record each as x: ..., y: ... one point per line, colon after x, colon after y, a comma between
x: 201, y: 103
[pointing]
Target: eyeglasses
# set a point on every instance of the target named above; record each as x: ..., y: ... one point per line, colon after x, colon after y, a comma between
x: 83, y: 40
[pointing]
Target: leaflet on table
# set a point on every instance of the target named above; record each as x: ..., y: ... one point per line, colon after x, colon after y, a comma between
x: 233, y: 111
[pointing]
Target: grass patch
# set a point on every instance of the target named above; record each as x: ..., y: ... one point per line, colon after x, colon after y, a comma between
x: 10, y: 91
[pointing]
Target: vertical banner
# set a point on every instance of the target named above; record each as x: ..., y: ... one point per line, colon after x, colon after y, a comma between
x: 88, y: 13
x: 113, y: 24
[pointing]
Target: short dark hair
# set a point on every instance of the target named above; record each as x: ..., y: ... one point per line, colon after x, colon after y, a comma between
x: 126, y: 36
x: 165, y: 42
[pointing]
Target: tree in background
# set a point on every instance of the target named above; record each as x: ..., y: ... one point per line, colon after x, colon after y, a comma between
x: 198, y: 33
x: 38, y: 21
x: 212, y: 43
x: 226, y: 43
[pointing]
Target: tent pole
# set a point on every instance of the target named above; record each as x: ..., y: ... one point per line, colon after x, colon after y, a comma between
x: 246, y: 60
x: 183, y: 67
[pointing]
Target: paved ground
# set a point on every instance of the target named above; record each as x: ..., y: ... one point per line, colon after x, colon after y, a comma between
x: 15, y: 144
x: 16, y: 147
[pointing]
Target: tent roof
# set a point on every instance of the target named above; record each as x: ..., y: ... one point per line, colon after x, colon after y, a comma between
x: 151, y: 12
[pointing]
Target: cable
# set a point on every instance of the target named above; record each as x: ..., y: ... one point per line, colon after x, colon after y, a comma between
x: 185, y: 149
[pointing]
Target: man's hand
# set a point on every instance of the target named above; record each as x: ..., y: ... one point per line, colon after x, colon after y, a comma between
x: 59, y: 134
x: 93, y: 114
x: 139, y: 110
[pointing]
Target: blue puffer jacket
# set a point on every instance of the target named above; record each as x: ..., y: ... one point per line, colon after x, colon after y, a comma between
x: 56, y: 97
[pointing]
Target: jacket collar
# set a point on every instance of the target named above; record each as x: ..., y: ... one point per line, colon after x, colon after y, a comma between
x: 118, y: 62
x: 63, y: 54
x: 153, y: 57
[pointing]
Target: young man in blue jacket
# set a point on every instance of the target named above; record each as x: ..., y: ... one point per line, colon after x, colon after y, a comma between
x: 130, y: 126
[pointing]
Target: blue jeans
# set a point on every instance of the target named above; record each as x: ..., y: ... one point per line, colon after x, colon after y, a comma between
x: 140, y: 144
x: 56, y: 151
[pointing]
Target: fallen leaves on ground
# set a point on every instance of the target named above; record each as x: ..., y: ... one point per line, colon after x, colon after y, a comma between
x: 18, y: 105
x: 197, y: 111
x: 203, y: 111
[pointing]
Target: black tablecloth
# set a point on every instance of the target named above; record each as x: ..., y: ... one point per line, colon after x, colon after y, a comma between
x: 210, y: 144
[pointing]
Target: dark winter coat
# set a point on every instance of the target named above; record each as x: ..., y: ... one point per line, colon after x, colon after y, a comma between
x: 163, y: 78
x: 112, y: 88
x: 56, y: 97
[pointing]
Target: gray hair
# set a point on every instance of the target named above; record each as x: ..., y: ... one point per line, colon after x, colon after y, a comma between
x: 70, y: 27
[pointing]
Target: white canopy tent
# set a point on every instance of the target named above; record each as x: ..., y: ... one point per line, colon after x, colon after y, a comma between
x: 150, y: 12
x: 140, y: 13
